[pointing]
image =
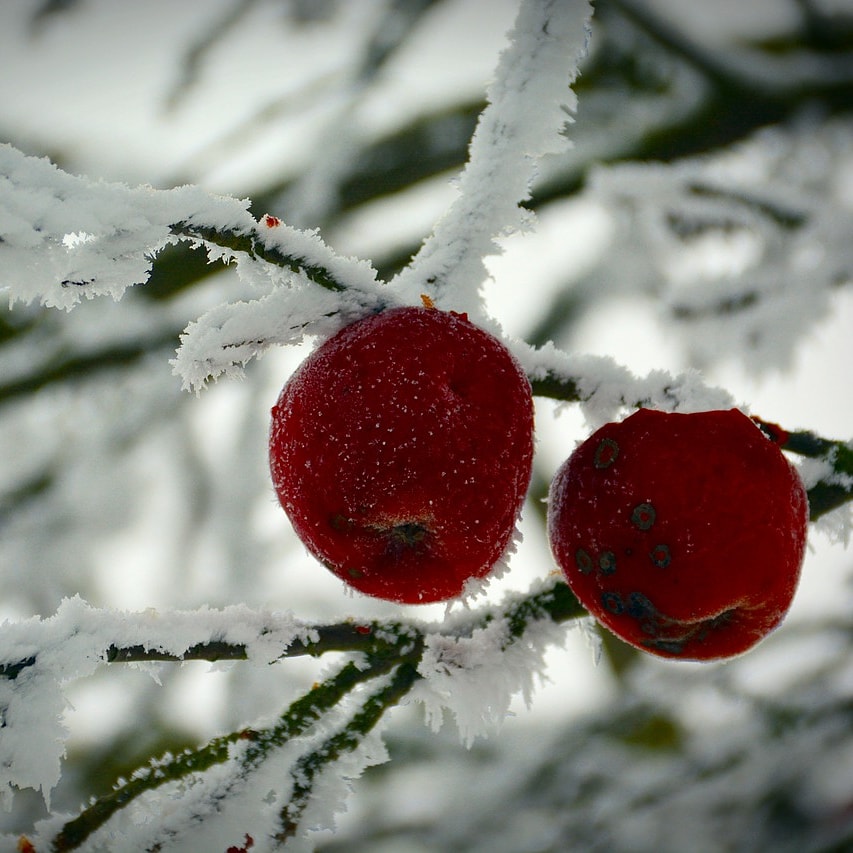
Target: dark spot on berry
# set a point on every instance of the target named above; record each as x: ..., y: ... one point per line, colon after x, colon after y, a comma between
x: 340, y: 522
x: 605, y: 453
x: 661, y: 556
x: 409, y: 534
x: 639, y: 606
x: 583, y: 561
x: 643, y: 516
x: 650, y: 627
x: 721, y: 619
x: 612, y: 603
x: 671, y: 647
x: 355, y: 573
x: 607, y: 563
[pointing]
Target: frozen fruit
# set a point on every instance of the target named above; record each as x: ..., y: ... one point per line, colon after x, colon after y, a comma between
x: 682, y: 533
x: 401, y: 452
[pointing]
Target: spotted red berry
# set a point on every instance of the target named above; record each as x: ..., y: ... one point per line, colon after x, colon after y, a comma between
x: 401, y: 452
x: 682, y: 533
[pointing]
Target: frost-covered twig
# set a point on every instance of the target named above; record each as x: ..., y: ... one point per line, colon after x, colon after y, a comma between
x: 498, y: 649
x: 65, y: 237
x: 303, y: 713
x: 830, y: 476
x: 530, y: 103
x: 308, y: 768
x: 603, y: 387
x: 312, y: 641
x: 167, y: 634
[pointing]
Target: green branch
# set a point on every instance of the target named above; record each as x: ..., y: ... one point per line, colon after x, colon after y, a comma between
x: 393, y: 648
x: 248, y: 243
x: 836, y: 488
x: 337, y: 637
x: 303, y: 713
x: 306, y: 770
x: 370, y: 638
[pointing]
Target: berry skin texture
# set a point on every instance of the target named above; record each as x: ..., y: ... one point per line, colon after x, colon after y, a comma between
x: 401, y: 451
x: 683, y: 534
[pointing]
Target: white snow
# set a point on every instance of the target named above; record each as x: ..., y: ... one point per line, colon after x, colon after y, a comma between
x: 529, y: 105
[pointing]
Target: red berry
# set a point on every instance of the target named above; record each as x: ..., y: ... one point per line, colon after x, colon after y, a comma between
x: 401, y: 452
x: 682, y: 533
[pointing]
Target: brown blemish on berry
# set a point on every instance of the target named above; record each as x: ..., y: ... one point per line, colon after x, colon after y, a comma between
x: 676, y: 642
x: 612, y: 603
x: 640, y: 606
x: 650, y: 627
x: 660, y: 555
x: 409, y: 534
x: 583, y: 561
x: 607, y: 563
x: 643, y: 516
x: 605, y: 453
x: 670, y: 647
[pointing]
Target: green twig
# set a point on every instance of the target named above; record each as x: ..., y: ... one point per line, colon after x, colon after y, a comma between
x: 346, y: 740
x: 556, y: 603
x: 835, y: 489
x: 338, y: 637
x: 303, y: 713
x: 248, y: 243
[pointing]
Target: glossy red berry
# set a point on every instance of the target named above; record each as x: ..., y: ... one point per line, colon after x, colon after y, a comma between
x: 682, y: 533
x: 401, y: 452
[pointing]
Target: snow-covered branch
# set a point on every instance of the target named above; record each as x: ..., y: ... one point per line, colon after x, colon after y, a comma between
x: 742, y: 251
x: 530, y: 103
x: 65, y: 237
x: 493, y: 653
x: 603, y: 387
x: 828, y: 474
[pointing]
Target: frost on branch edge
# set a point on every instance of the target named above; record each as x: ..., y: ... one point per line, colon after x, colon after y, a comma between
x: 494, y: 652
x: 65, y: 238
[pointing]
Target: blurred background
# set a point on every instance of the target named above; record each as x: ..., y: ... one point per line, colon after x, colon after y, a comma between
x: 702, y: 220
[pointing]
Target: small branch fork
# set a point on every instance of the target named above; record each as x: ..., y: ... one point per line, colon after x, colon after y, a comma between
x: 382, y: 671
